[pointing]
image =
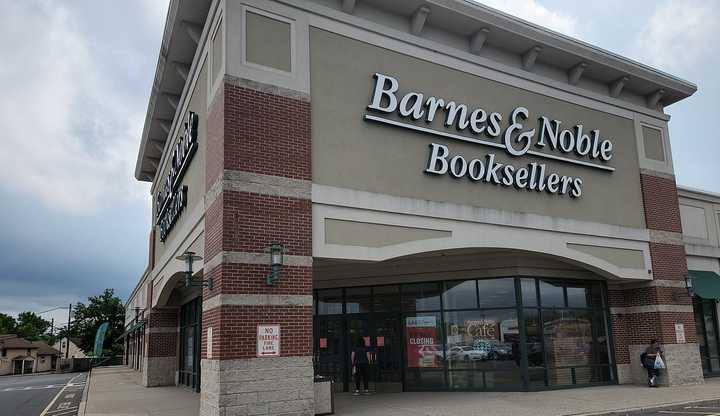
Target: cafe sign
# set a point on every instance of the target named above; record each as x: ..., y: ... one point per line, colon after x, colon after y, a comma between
x: 171, y: 200
x: 547, y: 139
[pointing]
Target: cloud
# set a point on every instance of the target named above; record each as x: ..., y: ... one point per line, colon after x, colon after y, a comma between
x: 676, y: 36
x: 536, y: 13
x: 69, y: 139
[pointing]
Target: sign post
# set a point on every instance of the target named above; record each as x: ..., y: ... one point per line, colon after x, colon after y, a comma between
x: 268, y: 340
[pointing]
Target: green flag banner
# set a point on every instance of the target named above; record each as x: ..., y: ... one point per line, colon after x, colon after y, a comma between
x: 100, y: 339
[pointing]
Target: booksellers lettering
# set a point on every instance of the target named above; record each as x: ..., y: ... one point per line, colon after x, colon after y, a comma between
x: 547, y: 139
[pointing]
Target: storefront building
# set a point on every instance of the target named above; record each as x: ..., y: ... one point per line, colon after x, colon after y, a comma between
x: 485, y: 204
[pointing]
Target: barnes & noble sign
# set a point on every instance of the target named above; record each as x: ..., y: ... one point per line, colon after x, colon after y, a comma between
x: 517, y: 136
x: 172, y: 198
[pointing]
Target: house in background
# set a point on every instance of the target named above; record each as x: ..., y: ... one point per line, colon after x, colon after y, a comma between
x: 74, y: 352
x: 20, y: 356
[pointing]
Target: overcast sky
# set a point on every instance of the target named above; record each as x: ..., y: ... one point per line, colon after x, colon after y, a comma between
x: 74, y: 83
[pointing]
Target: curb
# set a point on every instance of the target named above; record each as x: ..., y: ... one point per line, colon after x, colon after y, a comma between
x: 618, y: 412
x: 83, y: 402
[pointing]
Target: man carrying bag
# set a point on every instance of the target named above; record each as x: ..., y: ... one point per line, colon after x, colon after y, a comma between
x: 653, y: 362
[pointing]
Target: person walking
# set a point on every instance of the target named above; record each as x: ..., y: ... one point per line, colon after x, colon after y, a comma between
x: 653, y: 362
x: 360, y: 360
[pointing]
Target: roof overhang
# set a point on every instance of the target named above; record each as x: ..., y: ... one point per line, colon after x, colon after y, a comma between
x: 465, y: 18
x: 183, y: 29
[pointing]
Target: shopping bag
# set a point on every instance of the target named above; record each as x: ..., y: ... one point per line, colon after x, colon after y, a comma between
x: 659, y: 363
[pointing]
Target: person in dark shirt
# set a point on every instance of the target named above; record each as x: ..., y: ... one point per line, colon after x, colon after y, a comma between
x: 650, y: 355
x: 360, y: 359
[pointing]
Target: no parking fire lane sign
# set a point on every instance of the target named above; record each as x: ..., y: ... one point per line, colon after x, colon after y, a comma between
x: 268, y: 340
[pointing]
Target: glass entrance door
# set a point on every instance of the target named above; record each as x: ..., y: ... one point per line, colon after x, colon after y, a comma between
x: 330, y: 350
x: 706, y: 323
x: 387, y: 344
x: 382, y: 336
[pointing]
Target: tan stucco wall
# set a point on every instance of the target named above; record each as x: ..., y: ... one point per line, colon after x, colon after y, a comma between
x: 268, y: 42
x: 194, y: 176
x: 351, y: 153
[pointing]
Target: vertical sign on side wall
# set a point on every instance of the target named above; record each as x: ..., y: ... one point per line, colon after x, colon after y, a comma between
x: 268, y: 340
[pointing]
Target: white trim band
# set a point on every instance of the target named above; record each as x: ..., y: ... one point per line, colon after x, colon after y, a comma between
x: 256, y: 300
x: 651, y: 309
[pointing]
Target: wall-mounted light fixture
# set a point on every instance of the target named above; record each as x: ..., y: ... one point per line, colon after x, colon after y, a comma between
x: 689, y: 285
x: 189, y: 257
x: 276, y: 262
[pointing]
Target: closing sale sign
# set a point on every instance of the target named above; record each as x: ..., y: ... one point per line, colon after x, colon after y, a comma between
x: 268, y: 340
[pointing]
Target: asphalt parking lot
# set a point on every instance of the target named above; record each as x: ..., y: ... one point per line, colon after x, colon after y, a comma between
x: 41, y: 395
x: 703, y: 408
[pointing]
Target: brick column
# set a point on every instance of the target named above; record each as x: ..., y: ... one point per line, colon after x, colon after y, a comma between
x: 641, y: 312
x: 161, y: 348
x: 258, y: 192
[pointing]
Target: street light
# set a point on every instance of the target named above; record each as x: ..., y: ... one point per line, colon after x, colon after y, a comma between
x: 189, y: 257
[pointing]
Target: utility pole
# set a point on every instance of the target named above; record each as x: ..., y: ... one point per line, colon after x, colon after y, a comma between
x: 67, y: 333
x: 52, y: 327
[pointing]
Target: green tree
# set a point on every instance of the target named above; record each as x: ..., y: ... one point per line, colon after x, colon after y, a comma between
x: 8, y: 325
x: 31, y: 326
x: 87, y: 319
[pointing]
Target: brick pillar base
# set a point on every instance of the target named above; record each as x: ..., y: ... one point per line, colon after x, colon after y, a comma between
x: 161, y: 360
x: 651, y: 310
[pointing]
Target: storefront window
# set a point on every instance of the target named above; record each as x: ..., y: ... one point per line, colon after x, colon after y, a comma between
x: 578, y: 297
x: 483, y: 342
x: 529, y: 292
x: 551, y: 294
x: 424, y: 357
x: 486, y: 334
x: 386, y: 298
x: 357, y: 300
x: 329, y: 302
x: 421, y: 297
x: 460, y: 295
x: 497, y: 293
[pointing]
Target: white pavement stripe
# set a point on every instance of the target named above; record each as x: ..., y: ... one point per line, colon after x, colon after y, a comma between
x: 44, y: 412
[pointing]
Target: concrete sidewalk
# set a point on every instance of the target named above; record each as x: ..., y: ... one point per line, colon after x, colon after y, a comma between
x: 116, y: 391
x: 580, y: 401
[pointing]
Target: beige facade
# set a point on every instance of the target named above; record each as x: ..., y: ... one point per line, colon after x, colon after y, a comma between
x: 19, y: 356
x: 580, y: 203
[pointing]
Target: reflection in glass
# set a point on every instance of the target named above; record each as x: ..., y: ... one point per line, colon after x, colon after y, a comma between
x: 578, y: 297
x: 386, y: 298
x: 551, y: 294
x: 483, y: 340
x: 533, y: 332
x: 497, y: 293
x: 567, y: 340
x: 460, y: 295
x: 560, y: 376
x: 329, y: 302
x: 421, y: 297
x: 357, y: 300
x: 529, y: 292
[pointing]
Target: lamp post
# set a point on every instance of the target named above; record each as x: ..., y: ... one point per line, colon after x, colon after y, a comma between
x: 276, y: 262
x: 189, y: 257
